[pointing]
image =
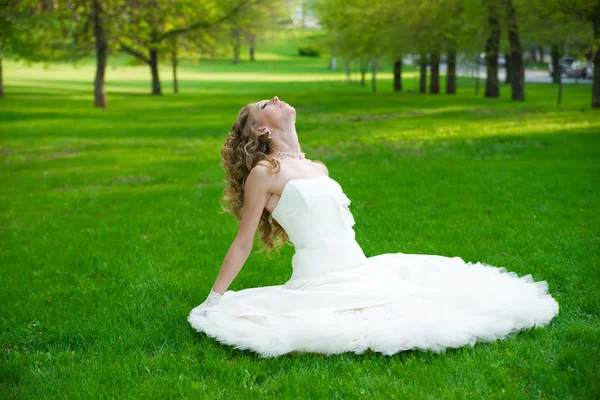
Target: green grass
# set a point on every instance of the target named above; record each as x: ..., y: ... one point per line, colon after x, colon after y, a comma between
x: 111, y: 233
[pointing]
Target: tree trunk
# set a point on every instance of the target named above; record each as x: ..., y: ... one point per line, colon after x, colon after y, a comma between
x: 333, y: 64
x: 434, y: 84
x: 252, y: 46
x: 174, y: 62
x: 398, y: 74
x: 477, y: 73
x: 374, y: 67
x: 533, y: 53
x: 154, y: 70
x: 364, y: 67
x: 236, y: 42
x: 348, y: 70
x: 153, y: 62
x: 508, y: 69
x: 423, y: 74
x: 541, y: 51
x: 451, y: 74
x: 1, y: 76
x: 101, y: 55
x: 516, y: 54
x: 492, y: 47
x: 556, y: 68
x: 236, y: 54
x: 596, y: 77
x: 560, y: 51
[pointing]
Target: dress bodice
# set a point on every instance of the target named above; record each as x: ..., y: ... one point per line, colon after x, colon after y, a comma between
x: 315, y: 214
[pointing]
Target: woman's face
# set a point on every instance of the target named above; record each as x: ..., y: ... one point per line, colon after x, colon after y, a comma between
x: 273, y: 113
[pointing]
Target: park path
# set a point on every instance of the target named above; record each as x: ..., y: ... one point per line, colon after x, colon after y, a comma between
x: 531, y: 75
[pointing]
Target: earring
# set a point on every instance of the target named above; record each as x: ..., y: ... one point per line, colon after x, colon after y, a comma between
x: 269, y: 135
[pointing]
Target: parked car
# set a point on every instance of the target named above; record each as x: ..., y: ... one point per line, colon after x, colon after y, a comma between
x: 577, y: 69
x: 501, y: 60
x: 565, y: 63
x: 589, y: 70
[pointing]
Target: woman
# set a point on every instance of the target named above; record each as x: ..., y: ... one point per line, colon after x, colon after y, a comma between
x: 337, y: 299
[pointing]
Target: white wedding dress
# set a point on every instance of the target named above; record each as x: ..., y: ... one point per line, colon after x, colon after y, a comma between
x: 338, y: 300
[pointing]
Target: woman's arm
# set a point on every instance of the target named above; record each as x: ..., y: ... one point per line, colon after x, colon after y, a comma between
x: 256, y: 195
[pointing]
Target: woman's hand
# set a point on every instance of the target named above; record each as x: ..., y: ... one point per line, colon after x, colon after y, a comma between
x: 211, y: 301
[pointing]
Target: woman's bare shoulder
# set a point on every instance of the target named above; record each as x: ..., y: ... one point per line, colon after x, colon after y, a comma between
x: 321, y: 165
x: 262, y: 172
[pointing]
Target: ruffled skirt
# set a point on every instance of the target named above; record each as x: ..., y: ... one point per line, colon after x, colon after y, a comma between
x: 390, y: 303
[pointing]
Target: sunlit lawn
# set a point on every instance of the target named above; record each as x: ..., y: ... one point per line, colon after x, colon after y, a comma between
x: 111, y: 230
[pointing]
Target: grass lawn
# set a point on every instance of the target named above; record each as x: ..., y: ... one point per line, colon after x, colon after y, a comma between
x: 111, y: 231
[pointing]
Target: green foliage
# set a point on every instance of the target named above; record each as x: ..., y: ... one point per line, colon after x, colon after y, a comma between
x: 134, y: 61
x: 36, y: 31
x: 309, y: 51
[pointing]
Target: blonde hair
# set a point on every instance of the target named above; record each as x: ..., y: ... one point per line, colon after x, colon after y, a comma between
x: 241, y: 152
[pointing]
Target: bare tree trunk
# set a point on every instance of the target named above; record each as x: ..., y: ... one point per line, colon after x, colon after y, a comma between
x: 237, y: 44
x: 556, y: 68
x: 1, y: 75
x: 516, y: 54
x: 492, y: 47
x: 533, y: 53
x: 101, y: 55
x: 541, y: 51
x: 236, y: 54
x: 434, y: 84
x: 596, y: 77
x: 156, y: 90
x: 477, y: 74
x: 560, y: 51
x: 174, y: 62
x: 348, y: 70
x: 374, y: 66
x: 333, y: 63
x: 398, y: 74
x: 508, y: 68
x: 252, y: 46
x: 364, y: 67
x: 423, y: 74
x: 451, y: 75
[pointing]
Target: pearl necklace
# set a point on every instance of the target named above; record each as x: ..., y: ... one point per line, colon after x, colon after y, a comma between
x: 286, y: 153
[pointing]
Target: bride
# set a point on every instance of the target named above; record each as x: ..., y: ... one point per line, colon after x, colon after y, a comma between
x: 337, y: 299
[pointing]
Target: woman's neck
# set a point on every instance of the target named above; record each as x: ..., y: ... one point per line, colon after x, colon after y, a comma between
x: 288, y: 140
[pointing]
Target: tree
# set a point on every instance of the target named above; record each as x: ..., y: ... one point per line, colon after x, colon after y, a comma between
x: 246, y: 28
x: 355, y: 31
x: 586, y: 12
x: 550, y: 23
x: 151, y: 26
x: 31, y: 30
x: 61, y: 30
x: 517, y: 68
x: 492, y: 49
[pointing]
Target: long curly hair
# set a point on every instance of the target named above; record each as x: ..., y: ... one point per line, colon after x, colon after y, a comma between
x: 243, y: 149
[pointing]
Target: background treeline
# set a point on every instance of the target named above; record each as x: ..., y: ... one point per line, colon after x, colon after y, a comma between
x: 367, y: 33
x: 152, y: 31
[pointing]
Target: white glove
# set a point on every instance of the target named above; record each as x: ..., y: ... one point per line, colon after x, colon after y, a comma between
x: 211, y: 301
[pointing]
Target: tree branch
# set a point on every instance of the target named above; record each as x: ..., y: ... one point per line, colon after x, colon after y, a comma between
x: 134, y: 52
x: 205, y: 25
